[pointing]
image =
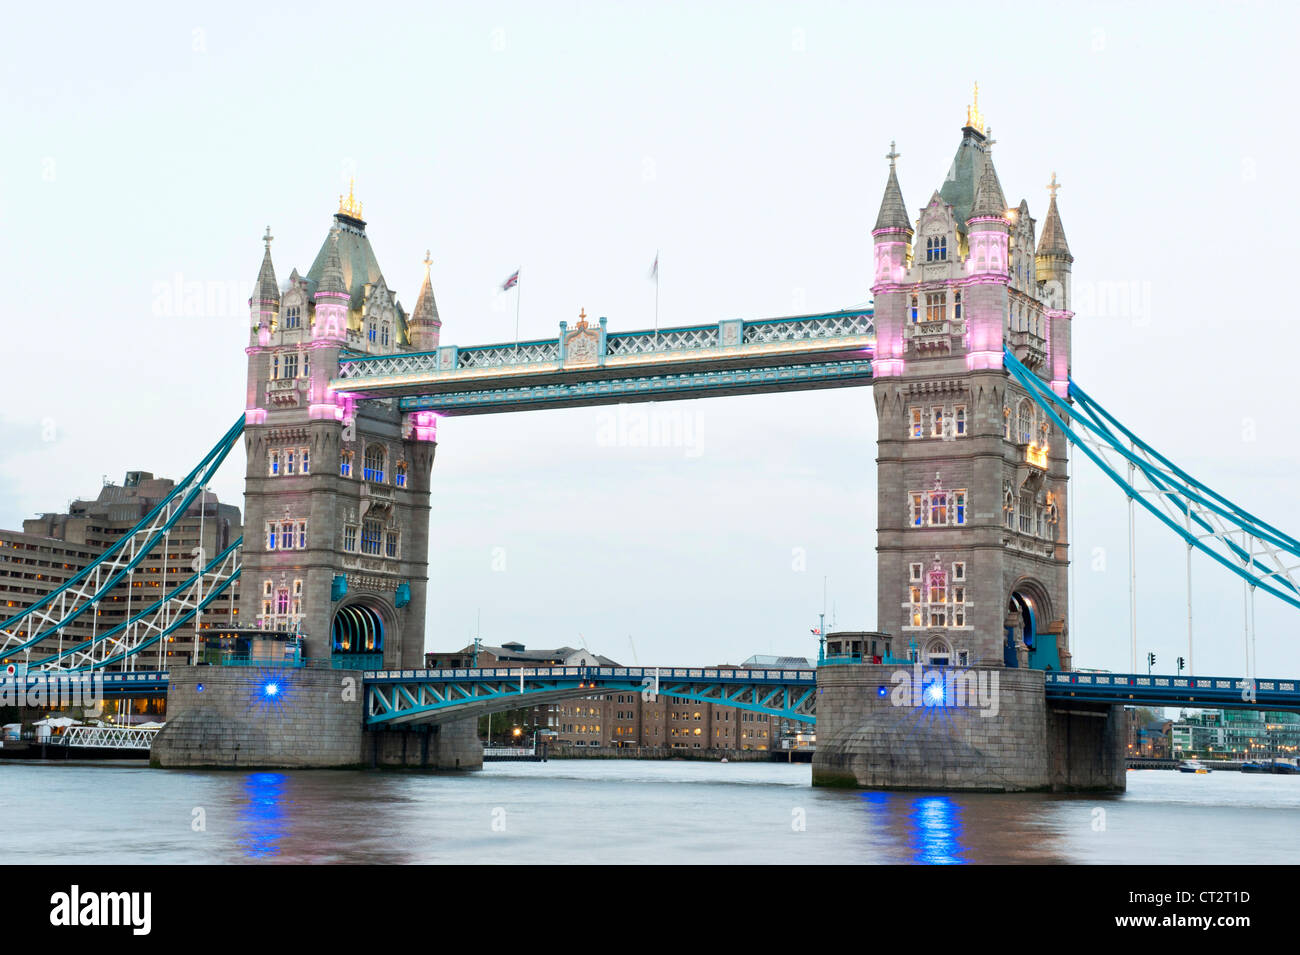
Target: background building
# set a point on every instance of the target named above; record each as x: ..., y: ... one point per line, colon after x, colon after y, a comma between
x: 54, y: 547
x: 1236, y: 734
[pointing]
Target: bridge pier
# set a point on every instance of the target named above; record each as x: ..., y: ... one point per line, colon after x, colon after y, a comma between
x: 454, y: 745
x: 985, y: 729
x: 282, y: 717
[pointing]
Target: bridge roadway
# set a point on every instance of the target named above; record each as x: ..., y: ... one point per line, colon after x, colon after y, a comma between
x: 587, y: 365
x: 393, y: 697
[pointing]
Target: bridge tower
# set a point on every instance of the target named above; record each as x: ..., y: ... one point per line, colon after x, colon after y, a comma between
x: 972, y: 549
x: 972, y: 552
x: 337, y: 490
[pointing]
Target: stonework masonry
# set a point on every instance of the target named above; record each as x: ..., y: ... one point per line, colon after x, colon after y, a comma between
x: 866, y: 740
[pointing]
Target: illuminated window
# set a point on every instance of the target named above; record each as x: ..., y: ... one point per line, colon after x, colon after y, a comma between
x: 936, y: 422
x: 371, y: 537
x: 384, y: 334
x: 918, y: 510
x: 290, y: 462
x: 286, y: 535
x: 916, y: 428
x: 370, y: 332
x: 270, y: 536
x: 292, y: 317
x: 1025, y: 422
x: 303, y: 455
x: 374, y: 463
x: 956, y: 306
x: 936, y: 306
x: 938, y: 508
x: 345, y: 464
x: 302, y: 534
x: 959, y: 506
x: 290, y: 365
x: 959, y: 419
x: 915, y: 311
x: 399, y: 475
x: 273, y: 464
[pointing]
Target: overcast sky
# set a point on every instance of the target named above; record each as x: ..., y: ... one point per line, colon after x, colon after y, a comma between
x: 744, y: 142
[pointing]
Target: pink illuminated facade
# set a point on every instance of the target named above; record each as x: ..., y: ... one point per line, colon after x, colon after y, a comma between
x: 973, y: 554
x: 337, y: 490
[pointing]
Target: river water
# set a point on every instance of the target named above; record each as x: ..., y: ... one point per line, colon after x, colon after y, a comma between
x: 616, y: 811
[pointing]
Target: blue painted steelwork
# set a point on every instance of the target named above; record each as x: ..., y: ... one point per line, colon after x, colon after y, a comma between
x: 140, y: 683
x: 1201, y: 517
x: 1141, y: 689
x: 175, y: 623
x: 657, y: 387
x: 115, y: 563
x: 394, y: 697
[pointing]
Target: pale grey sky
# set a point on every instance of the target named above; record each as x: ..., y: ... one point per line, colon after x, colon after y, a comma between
x: 746, y: 143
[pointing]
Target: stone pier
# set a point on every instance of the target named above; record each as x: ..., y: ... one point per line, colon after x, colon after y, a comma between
x: 991, y: 731
x: 274, y: 717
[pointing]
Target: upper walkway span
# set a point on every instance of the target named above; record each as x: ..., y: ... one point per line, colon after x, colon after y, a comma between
x: 588, y: 365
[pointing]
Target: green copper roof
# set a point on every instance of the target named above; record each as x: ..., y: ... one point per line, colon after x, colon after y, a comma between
x: 359, y: 267
x: 958, y: 189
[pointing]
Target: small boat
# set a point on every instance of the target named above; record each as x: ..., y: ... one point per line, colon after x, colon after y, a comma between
x: 724, y: 759
x: 1192, y: 766
x: 1254, y: 766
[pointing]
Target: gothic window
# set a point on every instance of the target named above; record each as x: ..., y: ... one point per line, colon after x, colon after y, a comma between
x: 938, y: 654
x: 936, y: 306
x: 290, y: 462
x: 918, y: 510
x: 959, y: 419
x: 390, y: 544
x: 915, y: 311
x: 345, y: 464
x: 286, y: 535
x: 938, y: 508
x: 1025, y: 422
x: 399, y: 474
x: 273, y: 464
x: 270, y: 536
x: 1008, y: 510
x: 936, y: 422
x: 275, y: 366
x: 371, y: 537
x: 292, y: 317
x: 349, y: 537
x: 915, y: 594
x: 374, y: 463
x: 302, y: 534
x: 303, y: 454
x: 267, y: 587
x: 1026, y: 514
x: 306, y: 366
x: 916, y: 428
x: 956, y: 306
x: 290, y: 366
x: 384, y: 335
x: 370, y: 332
x: 915, y: 570
x: 282, y: 601
x: 959, y: 507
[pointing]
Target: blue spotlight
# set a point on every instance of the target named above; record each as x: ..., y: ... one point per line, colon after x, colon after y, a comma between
x: 881, y: 691
x: 271, y: 689
x: 934, y: 694
x: 198, y: 687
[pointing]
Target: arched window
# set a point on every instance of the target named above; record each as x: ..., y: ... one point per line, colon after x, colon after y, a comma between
x: 938, y: 653
x: 370, y: 333
x: 1025, y: 422
x: 282, y: 601
x: 399, y: 474
x: 956, y: 313
x: 292, y: 317
x: 374, y: 463
x: 915, y: 310
x: 275, y: 366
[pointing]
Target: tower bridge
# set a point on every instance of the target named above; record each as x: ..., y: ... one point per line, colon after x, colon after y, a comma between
x: 967, y: 347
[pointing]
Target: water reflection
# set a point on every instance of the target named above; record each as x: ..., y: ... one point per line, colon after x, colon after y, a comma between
x: 935, y: 836
x: 262, y: 817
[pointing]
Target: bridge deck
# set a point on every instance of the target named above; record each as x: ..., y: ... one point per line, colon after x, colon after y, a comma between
x: 588, y: 365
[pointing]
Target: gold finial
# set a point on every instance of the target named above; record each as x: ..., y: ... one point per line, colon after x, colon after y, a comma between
x: 268, y: 238
x: 1053, y: 186
x: 582, y: 318
x: 974, y: 118
x: 892, y: 154
x: 350, y: 206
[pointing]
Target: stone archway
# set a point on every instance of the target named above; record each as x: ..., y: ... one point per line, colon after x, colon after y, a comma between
x: 1028, y: 644
x: 360, y: 629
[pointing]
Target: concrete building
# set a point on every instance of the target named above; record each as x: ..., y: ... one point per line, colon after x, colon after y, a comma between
x: 1236, y: 734
x: 54, y: 547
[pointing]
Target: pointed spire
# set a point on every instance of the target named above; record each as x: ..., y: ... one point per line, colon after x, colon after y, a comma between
x: 1053, y: 238
x: 893, y: 211
x: 331, y: 279
x: 266, y: 290
x: 426, y: 309
x: 989, y: 200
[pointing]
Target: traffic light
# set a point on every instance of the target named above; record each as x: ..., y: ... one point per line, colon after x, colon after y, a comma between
x: 1151, y: 661
x: 1181, y: 663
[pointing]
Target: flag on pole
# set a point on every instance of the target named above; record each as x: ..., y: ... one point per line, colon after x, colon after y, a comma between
x: 511, y: 282
x: 816, y: 631
x: 654, y: 269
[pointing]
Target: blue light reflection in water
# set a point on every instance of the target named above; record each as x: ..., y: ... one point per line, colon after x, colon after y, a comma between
x: 262, y: 818
x: 934, y: 838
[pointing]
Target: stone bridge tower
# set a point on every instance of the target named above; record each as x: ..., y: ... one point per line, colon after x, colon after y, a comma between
x: 337, y: 491
x: 972, y: 548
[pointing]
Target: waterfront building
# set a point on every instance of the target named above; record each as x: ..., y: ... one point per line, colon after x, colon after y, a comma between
x: 1236, y: 734
x: 54, y: 547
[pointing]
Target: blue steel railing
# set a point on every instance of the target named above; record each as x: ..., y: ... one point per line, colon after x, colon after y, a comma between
x: 357, y: 661
x: 1209, y: 692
